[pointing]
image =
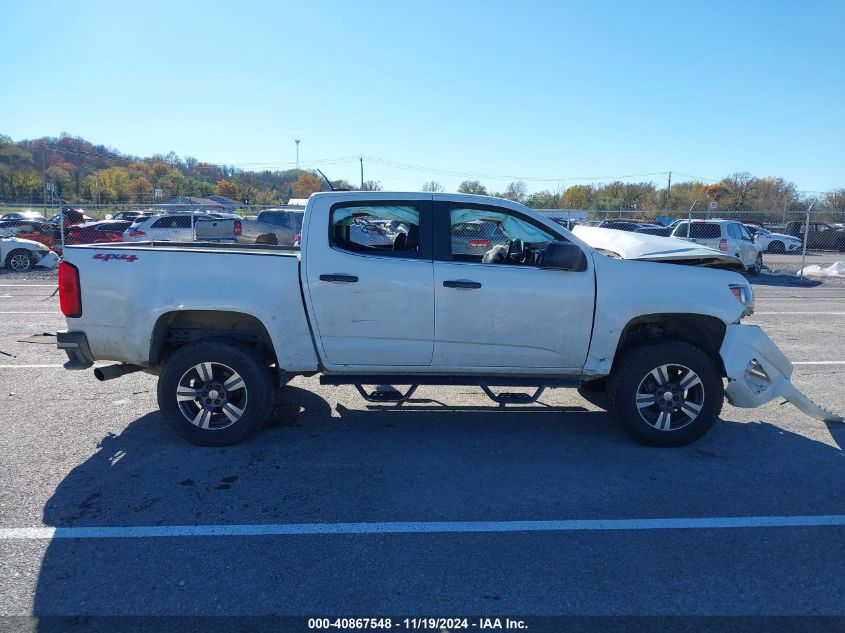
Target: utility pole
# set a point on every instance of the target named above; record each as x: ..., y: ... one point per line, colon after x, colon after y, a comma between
x: 44, y: 175
x: 361, y: 158
x: 668, y: 190
x: 297, y: 153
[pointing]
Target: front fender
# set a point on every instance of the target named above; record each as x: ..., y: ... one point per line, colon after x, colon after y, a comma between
x: 758, y: 372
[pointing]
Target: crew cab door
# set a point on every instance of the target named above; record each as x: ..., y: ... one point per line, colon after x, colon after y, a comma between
x: 370, y: 286
x: 495, y: 305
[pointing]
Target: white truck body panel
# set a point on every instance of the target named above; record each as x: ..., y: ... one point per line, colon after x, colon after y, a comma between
x: 122, y: 299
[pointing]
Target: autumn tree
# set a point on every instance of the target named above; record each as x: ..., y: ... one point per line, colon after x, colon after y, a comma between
x: 432, y: 185
x: 472, y: 186
x: 306, y: 184
x: 577, y: 197
x: 372, y: 185
x: 834, y: 201
x: 227, y: 188
x: 516, y: 191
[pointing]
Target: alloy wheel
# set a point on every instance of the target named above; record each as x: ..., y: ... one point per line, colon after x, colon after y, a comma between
x: 670, y: 397
x: 212, y: 396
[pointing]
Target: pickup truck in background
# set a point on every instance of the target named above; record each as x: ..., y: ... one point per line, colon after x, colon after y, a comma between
x: 271, y: 227
x: 649, y: 327
x: 819, y: 236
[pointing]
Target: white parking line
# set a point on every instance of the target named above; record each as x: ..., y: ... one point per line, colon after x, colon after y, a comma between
x: 421, y: 527
x: 819, y: 362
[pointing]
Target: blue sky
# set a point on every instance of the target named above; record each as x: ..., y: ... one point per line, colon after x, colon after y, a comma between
x: 546, y: 90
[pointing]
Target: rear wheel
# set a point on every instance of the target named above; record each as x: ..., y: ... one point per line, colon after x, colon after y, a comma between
x: 20, y: 260
x: 215, y: 394
x: 666, y: 394
x: 776, y: 247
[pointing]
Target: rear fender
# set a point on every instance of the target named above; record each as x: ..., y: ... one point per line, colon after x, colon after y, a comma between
x: 759, y: 372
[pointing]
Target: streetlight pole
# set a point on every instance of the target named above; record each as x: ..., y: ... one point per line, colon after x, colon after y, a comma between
x: 297, y: 153
x: 361, y: 158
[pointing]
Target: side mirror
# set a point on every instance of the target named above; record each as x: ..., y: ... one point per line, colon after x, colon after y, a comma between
x: 564, y: 256
x: 109, y: 216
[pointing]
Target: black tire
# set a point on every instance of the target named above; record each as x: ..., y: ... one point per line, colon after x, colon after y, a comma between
x: 595, y: 392
x: 14, y: 259
x: 227, y: 362
x: 635, y: 370
x: 269, y: 239
x: 776, y: 247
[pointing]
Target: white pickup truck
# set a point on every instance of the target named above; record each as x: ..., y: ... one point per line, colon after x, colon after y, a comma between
x: 525, y: 304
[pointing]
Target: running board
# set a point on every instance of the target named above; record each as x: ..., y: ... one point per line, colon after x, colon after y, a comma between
x: 434, y: 379
x: 385, y: 392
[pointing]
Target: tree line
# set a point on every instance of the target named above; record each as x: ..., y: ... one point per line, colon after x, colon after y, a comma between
x: 78, y: 171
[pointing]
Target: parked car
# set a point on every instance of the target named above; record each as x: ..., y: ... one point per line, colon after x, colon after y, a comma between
x: 172, y: 227
x: 37, y: 230
x: 234, y: 229
x: 820, y: 235
x: 21, y: 255
x: 727, y: 236
x: 24, y: 215
x: 663, y: 231
x: 71, y: 217
x: 773, y: 242
x: 476, y: 238
x: 627, y: 225
x: 106, y: 231
x: 131, y: 216
x: 223, y: 328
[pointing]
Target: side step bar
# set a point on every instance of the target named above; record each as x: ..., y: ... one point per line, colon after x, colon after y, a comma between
x: 434, y: 379
x: 385, y: 392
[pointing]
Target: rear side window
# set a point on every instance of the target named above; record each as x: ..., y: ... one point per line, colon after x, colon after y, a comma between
x: 377, y: 230
x: 733, y: 232
x: 173, y: 222
x: 699, y: 230
x: 288, y: 219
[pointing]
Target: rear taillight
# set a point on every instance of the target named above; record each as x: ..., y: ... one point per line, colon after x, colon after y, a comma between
x: 70, y: 295
x: 238, y: 228
x: 137, y: 234
x: 723, y: 245
x: 479, y: 242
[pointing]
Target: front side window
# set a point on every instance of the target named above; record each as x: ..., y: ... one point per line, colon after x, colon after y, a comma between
x: 377, y: 230
x: 744, y: 233
x: 496, y: 237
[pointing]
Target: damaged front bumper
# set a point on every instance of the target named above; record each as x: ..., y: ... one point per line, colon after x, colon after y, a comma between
x: 758, y: 372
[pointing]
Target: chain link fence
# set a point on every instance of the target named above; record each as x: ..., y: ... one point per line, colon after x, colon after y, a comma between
x: 803, y: 243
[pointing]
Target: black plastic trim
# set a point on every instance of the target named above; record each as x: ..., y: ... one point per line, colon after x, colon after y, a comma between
x: 75, y: 345
x: 450, y: 379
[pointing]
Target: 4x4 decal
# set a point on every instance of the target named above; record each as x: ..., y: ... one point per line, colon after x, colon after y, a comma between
x: 108, y: 257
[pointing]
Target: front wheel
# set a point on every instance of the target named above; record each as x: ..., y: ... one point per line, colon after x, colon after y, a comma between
x: 666, y: 394
x: 214, y: 394
x: 776, y: 247
x: 20, y: 260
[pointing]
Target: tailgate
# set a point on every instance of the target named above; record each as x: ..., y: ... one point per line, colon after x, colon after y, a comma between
x: 211, y: 230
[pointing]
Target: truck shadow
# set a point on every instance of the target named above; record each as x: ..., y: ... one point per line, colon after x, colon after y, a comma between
x: 318, y: 463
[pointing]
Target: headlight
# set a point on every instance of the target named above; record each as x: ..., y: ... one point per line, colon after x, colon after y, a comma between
x: 745, y: 295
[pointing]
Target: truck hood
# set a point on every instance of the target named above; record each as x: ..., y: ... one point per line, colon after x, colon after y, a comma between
x: 654, y: 248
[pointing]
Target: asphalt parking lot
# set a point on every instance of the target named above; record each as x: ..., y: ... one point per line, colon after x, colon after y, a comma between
x: 79, y: 453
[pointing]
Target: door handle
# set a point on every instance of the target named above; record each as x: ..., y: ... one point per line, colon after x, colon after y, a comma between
x: 461, y: 283
x: 348, y: 279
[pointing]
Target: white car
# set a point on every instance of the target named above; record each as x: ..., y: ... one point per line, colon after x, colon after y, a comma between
x: 727, y: 236
x: 774, y: 242
x: 168, y: 227
x: 21, y: 255
x: 223, y: 328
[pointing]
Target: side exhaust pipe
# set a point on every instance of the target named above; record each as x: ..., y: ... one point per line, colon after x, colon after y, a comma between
x: 115, y: 371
